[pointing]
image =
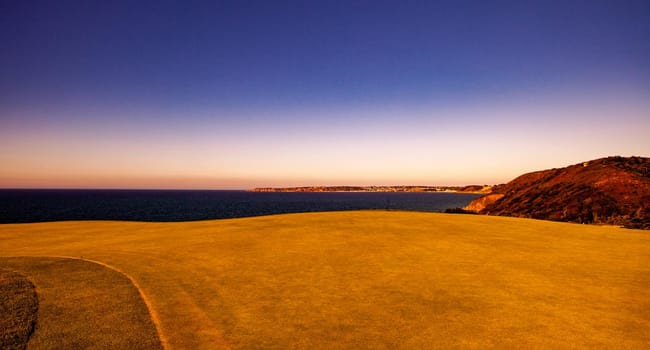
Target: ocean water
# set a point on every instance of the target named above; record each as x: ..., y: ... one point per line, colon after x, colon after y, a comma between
x: 17, y: 206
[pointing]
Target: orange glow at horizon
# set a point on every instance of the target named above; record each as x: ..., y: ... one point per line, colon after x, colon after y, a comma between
x: 375, y: 149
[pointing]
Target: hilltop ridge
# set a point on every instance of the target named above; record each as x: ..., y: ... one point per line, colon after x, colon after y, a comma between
x: 612, y: 190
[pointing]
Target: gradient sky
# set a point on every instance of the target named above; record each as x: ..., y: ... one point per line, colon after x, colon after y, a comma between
x: 238, y: 94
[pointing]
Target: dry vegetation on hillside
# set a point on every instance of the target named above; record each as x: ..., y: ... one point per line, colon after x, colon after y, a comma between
x: 613, y: 190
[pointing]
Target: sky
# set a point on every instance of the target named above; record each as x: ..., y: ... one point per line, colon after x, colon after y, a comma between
x: 242, y: 94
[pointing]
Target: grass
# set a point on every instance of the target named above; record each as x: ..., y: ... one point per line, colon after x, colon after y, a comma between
x: 18, y: 309
x: 83, y: 305
x: 371, y: 279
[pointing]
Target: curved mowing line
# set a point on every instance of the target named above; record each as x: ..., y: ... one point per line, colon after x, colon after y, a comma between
x: 155, y: 319
x: 218, y: 341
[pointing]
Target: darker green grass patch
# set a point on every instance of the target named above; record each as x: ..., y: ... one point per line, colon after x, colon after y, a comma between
x: 18, y: 309
x: 82, y: 305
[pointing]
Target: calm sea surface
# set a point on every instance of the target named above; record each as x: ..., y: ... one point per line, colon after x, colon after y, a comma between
x: 153, y: 205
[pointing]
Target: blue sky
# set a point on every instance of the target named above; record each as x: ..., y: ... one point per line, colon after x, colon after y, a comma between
x: 183, y: 94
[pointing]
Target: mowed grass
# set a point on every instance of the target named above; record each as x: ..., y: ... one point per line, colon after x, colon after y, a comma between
x: 18, y: 309
x: 372, y: 279
x: 83, y: 305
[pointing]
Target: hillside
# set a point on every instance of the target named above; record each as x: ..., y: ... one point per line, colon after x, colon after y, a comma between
x: 612, y: 190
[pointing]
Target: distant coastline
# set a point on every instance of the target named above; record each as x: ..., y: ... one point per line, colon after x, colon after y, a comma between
x: 478, y: 189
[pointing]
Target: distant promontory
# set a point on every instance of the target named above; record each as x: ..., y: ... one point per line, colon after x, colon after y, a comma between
x: 459, y: 189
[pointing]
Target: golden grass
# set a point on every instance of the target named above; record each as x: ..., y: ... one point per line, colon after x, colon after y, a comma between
x: 83, y: 305
x: 18, y: 310
x: 372, y: 279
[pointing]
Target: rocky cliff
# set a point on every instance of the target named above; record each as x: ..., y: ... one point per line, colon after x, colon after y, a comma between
x: 612, y: 190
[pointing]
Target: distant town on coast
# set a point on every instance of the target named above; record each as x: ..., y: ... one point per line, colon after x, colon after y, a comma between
x: 460, y: 189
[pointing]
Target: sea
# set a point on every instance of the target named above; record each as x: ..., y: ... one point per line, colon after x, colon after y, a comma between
x: 21, y: 206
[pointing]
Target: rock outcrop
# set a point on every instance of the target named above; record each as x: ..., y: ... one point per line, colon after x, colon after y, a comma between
x: 480, y: 203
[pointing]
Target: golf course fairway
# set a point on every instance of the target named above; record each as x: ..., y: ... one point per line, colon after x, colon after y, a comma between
x: 351, y: 280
